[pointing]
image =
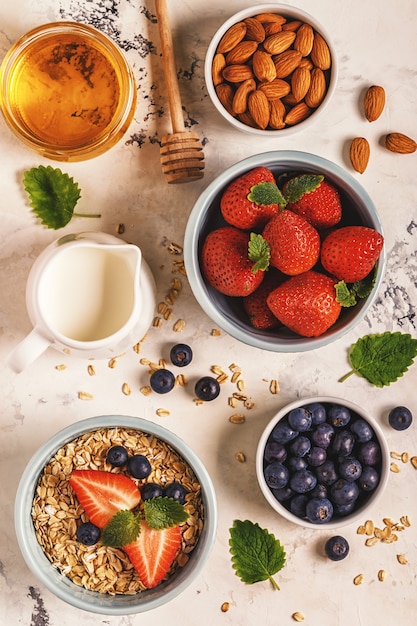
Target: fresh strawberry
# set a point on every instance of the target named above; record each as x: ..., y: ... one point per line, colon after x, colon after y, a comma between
x: 103, y: 494
x: 234, y: 261
x: 251, y: 200
x: 350, y: 253
x: 259, y: 313
x: 306, y: 303
x: 314, y: 198
x: 153, y: 552
x: 294, y: 243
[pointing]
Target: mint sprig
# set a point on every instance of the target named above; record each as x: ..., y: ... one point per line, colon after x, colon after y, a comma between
x: 298, y: 186
x: 53, y: 195
x: 159, y: 513
x: 347, y: 294
x: 266, y: 193
x: 382, y: 358
x: 259, y: 252
x: 256, y: 554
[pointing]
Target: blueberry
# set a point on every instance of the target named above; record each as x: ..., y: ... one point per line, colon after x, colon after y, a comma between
x: 139, y: 466
x: 303, y: 481
x: 282, y: 494
x: 151, y: 490
x: 181, y: 354
x: 162, y: 380
x: 275, y: 451
x: 326, y: 473
x: 299, y: 419
x: 369, y: 478
x: 298, y: 505
x: 343, y: 443
x: 317, y: 412
x: 175, y: 491
x: 117, y: 456
x: 344, y: 491
x: 350, y: 469
x: 88, y: 533
x: 296, y: 463
x: 344, y: 509
x: 207, y: 388
x: 319, y: 491
x: 316, y: 456
x: 362, y: 430
x: 336, y: 548
x: 300, y: 446
x: 369, y: 453
x: 323, y: 435
x: 339, y: 415
x: 283, y: 433
x: 319, y: 510
x: 276, y: 475
x: 400, y: 418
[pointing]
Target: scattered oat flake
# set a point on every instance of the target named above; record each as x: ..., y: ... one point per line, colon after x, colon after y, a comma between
x: 126, y: 389
x: 358, y: 580
x: 274, y: 387
x: 120, y: 229
x: 162, y: 412
x: 91, y: 370
x: 146, y: 390
x: 402, y: 559
x: 225, y: 607
x: 60, y: 367
x: 84, y: 395
x: 394, y: 468
x: 137, y: 347
x: 382, y: 575
x: 237, y: 418
x: 240, y: 384
x: 157, y: 321
x: 235, y: 376
x: 361, y: 530
x: 369, y: 527
x: 404, y: 519
x: 239, y: 456
x: 371, y: 541
x: 179, y: 326
x: 405, y: 457
x: 298, y: 617
x: 215, y: 332
x: 414, y: 461
x: 222, y: 378
x: 174, y: 248
x: 395, y: 455
x: 112, y: 363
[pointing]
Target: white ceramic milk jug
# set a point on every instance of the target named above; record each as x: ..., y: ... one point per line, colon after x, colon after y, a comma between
x: 88, y: 294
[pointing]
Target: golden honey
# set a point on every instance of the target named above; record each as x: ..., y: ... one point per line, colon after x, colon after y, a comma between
x: 67, y: 91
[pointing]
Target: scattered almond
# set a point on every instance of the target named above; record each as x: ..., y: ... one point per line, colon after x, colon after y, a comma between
x: 359, y: 154
x: 374, y: 102
x: 399, y: 143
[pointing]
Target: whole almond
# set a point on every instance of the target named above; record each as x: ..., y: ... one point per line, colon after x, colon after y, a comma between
x: 304, y: 39
x: 320, y: 52
x: 240, y: 99
x: 359, y: 154
x: 300, y: 82
x: 277, y: 113
x: 254, y: 30
x: 271, y: 28
x: 259, y: 108
x: 271, y: 17
x: 297, y: 114
x: 374, y: 102
x: 218, y: 65
x: 286, y: 62
x: 275, y: 89
x: 241, y: 53
x: 263, y: 66
x: 225, y: 94
x: 293, y: 25
x: 246, y: 118
x: 232, y: 37
x: 237, y: 73
x: 399, y: 143
x: 317, y: 89
x: 274, y: 44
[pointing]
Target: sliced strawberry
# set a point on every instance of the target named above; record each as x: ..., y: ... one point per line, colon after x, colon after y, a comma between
x: 153, y: 552
x: 103, y: 494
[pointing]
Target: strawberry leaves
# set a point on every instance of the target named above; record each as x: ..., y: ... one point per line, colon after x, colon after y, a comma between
x: 382, y: 358
x: 297, y: 187
x: 259, y: 252
x: 348, y: 294
x: 256, y: 554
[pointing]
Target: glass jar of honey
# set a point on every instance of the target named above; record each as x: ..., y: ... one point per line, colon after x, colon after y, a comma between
x: 67, y: 91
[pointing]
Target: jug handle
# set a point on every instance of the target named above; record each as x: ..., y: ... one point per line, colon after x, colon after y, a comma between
x: 28, y: 350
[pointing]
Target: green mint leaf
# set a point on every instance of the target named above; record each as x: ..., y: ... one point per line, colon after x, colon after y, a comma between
x: 382, y: 358
x: 297, y: 187
x: 53, y: 195
x: 363, y: 288
x: 123, y: 528
x: 164, y: 512
x: 265, y: 194
x: 258, y: 252
x: 256, y: 554
x: 345, y: 296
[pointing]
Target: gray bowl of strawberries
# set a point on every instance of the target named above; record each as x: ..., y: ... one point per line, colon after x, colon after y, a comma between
x: 285, y: 251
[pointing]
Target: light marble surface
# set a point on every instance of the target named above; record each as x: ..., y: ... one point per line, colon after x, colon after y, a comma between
x: 376, y: 44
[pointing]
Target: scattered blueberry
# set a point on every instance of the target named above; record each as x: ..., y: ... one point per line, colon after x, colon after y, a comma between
x: 88, y: 533
x: 299, y: 419
x: 207, y: 388
x: 162, y: 380
x: 181, y: 354
x: 319, y: 510
x: 151, y: 490
x: 117, y: 456
x: 276, y: 475
x: 175, y: 491
x: 139, y: 466
x: 336, y: 548
x: 400, y: 418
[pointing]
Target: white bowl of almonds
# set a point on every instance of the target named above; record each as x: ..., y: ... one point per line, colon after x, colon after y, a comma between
x: 92, y: 485
x: 271, y: 69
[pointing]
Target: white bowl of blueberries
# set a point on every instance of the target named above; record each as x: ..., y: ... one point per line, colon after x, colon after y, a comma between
x: 322, y: 461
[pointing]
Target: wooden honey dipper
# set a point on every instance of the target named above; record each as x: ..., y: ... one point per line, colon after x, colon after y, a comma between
x: 182, y: 156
